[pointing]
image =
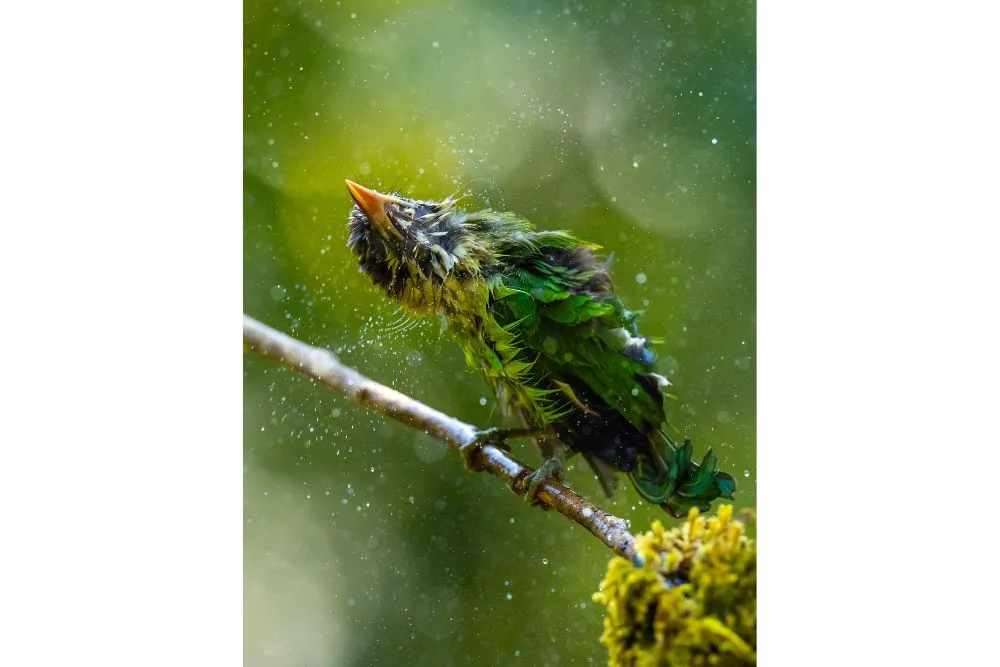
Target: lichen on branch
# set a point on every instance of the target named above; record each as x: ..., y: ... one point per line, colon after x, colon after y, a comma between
x: 692, y: 601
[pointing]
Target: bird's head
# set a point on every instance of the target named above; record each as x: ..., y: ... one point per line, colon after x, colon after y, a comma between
x: 409, y: 244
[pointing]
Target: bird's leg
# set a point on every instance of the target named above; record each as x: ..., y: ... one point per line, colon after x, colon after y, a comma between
x: 492, y: 436
x: 552, y: 468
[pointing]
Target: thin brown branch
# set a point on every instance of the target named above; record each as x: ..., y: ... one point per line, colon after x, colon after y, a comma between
x: 323, y: 366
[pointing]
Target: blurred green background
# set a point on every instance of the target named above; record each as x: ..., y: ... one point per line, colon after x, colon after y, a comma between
x: 632, y: 124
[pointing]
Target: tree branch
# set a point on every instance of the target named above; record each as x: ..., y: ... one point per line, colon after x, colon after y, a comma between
x: 322, y: 365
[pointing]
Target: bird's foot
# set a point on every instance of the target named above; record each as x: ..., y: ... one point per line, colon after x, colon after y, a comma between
x: 551, y: 469
x: 471, y: 451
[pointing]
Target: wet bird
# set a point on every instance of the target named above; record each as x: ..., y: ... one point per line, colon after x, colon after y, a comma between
x: 536, y: 313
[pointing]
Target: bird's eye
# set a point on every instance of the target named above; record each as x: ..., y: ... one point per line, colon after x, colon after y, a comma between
x: 426, y: 210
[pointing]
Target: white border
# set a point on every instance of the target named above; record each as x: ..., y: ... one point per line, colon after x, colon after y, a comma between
x: 121, y: 269
x: 877, y: 310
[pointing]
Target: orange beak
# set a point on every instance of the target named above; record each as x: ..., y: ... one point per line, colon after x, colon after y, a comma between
x: 373, y: 204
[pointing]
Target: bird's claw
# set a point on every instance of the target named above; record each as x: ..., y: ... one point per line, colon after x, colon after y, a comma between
x: 551, y: 469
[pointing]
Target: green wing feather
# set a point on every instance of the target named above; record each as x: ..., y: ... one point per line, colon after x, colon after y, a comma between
x: 578, y: 335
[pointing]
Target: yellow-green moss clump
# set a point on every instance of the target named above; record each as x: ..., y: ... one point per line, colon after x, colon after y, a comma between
x: 692, y: 602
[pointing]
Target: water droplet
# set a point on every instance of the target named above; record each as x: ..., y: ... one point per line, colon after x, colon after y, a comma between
x: 482, y: 400
x: 435, y: 44
x: 746, y: 473
x: 714, y: 140
x: 640, y: 278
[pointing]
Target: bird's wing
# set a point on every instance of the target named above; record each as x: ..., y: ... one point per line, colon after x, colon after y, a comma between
x: 582, y: 334
x: 584, y: 349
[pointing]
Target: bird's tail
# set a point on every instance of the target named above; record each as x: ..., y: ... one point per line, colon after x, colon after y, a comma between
x: 667, y: 476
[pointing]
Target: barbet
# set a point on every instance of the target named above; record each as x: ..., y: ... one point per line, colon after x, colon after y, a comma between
x: 536, y: 313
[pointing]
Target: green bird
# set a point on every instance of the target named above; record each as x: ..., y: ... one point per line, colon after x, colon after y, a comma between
x: 536, y: 313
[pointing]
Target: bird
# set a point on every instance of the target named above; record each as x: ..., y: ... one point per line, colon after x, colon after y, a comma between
x: 535, y: 312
